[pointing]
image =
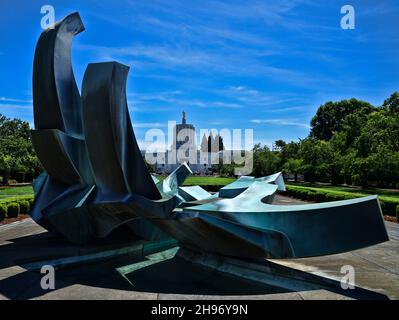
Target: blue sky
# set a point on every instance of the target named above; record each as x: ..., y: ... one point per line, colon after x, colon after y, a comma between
x: 265, y: 65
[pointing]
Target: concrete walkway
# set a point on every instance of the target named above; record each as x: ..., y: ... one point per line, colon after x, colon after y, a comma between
x: 133, y: 270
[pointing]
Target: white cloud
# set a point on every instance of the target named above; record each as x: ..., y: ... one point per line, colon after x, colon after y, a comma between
x: 148, y: 125
x: 15, y: 106
x: 269, y: 101
x: 281, y: 122
x: 5, y: 99
x: 141, y: 102
x: 181, y: 57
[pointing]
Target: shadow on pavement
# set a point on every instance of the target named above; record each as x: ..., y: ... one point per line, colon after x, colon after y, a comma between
x: 172, y: 275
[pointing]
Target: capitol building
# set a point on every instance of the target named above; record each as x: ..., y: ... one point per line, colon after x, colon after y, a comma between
x: 201, y: 159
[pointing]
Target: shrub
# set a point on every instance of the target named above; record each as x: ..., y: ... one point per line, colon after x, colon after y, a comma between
x: 397, y: 212
x: 24, y: 207
x: 303, y: 194
x: 3, y: 211
x: 383, y: 206
x: 311, y: 196
x: 332, y: 197
x: 296, y: 193
x: 327, y: 196
x: 13, y: 210
x: 339, y: 197
x: 391, y: 208
x: 388, y: 207
x: 319, y: 197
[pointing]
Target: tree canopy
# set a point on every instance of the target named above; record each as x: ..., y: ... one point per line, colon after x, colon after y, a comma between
x: 350, y: 141
x: 331, y: 115
x: 16, y: 151
x: 392, y: 103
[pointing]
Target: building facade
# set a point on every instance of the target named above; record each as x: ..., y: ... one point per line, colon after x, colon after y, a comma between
x: 201, y: 160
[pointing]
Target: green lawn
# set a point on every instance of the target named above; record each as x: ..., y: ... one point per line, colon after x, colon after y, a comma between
x: 384, y: 194
x: 389, y: 198
x: 207, y: 181
x: 9, y: 192
x: 201, y: 181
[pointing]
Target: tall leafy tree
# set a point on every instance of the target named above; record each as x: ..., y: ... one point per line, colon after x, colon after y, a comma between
x: 265, y: 161
x: 330, y: 117
x: 293, y: 166
x: 392, y: 103
x: 16, y: 150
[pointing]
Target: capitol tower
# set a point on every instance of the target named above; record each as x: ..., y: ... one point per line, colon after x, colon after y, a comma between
x: 184, y: 136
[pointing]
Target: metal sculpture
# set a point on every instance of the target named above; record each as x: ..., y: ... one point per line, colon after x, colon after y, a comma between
x: 96, y: 180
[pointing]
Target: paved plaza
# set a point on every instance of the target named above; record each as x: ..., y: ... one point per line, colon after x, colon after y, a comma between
x: 142, y: 270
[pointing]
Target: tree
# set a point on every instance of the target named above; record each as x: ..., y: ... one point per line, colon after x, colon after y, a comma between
x: 330, y: 116
x: 289, y: 150
x: 365, y: 147
x: 376, y: 150
x: 279, y: 145
x: 5, y: 167
x: 319, y: 160
x: 265, y: 162
x: 227, y: 170
x: 14, y: 128
x: 293, y: 166
x: 16, y: 150
x: 392, y: 103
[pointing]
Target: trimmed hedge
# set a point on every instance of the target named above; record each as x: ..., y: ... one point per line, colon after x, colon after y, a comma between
x: 390, y: 208
x: 11, y: 207
x: 13, y: 210
x: 24, y: 207
x: 320, y: 196
x: 3, y: 212
x: 17, y: 199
